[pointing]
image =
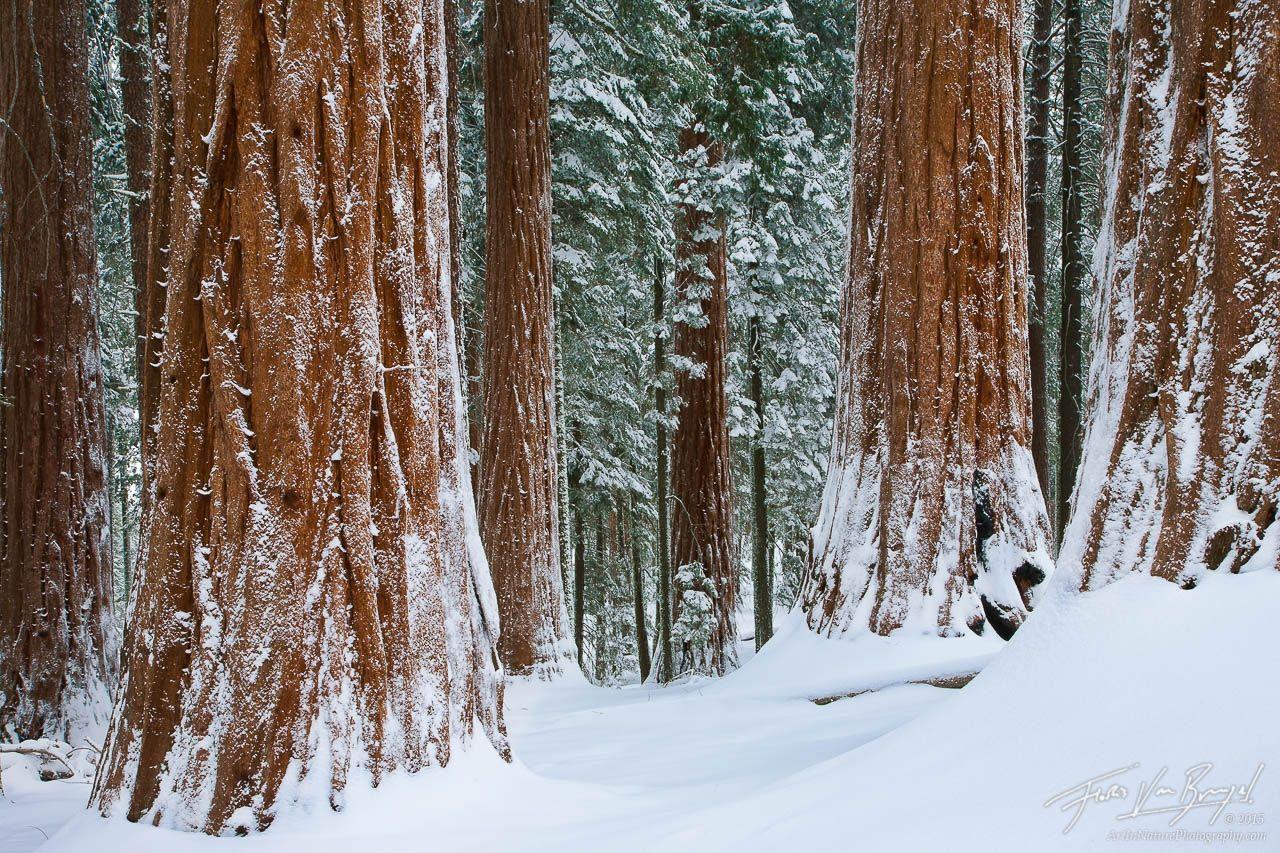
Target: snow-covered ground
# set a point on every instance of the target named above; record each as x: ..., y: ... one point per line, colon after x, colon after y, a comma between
x: 1132, y: 679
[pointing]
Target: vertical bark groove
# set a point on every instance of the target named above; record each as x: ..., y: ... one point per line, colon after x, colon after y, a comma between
x: 57, y: 655
x: 702, y: 517
x: 519, y: 484
x: 932, y: 517
x: 309, y: 534
x: 1181, y: 465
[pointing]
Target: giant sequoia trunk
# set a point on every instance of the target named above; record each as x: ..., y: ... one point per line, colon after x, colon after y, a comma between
x: 313, y: 604
x: 932, y: 517
x: 518, y: 481
x: 55, y: 557
x: 705, y: 590
x: 1181, y: 465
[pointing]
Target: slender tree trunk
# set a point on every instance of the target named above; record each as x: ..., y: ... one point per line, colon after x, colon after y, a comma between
x: 135, y: 59
x: 1070, y: 397
x: 1038, y: 234
x: 311, y: 594
x: 666, y: 663
x: 519, y: 484
x: 702, y: 526
x: 473, y: 344
x: 152, y: 290
x: 932, y: 518
x: 455, y: 172
x: 762, y: 580
x: 57, y: 658
x: 1181, y: 461
x: 565, y: 533
x: 579, y: 557
x: 637, y: 594
x: 126, y: 547
x: 600, y: 569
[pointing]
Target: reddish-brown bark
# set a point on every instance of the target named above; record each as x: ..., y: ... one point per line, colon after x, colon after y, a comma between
x: 933, y: 516
x: 518, y: 482
x: 1181, y: 466
x: 55, y: 558
x: 702, y: 514
x: 313, y: 603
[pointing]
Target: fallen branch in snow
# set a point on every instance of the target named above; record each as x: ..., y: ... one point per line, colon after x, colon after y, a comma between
x: 46, y: 754
x: 948, y: 682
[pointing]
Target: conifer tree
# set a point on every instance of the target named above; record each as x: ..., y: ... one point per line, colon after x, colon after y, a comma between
x: 932, y: 515
x: 519, y: 485
x: 57, y: 655
x: 1180, y: 472
x: 310, y: 535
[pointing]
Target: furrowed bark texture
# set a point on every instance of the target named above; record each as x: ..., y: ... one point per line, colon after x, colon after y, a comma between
x: 314, y: 604
x: 932, y: 517
x: 518, y: 482
x: 57, y: 660
x: 702, y: 516
x: 1181, y: 465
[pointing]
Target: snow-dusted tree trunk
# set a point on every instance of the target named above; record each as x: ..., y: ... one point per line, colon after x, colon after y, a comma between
x: 151, y: 289
x: 314, y: 605
x: 1181, y: 464
x: 55, y: 557
x: 932, y: 517
x: 1040, y: 56
x: 518, y: 481
x: 706, y: 585
x: 135, y: 53
x: 1074, y: 267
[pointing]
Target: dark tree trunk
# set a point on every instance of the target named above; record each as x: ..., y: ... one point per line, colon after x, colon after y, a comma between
x: 1182, y: 446
x: 152, y: 289
x: 455, y: 172
x: 666, y: 663
x: 579, y: 558
x: 135, y: 60
x: 1041, y: 57
x: 1070, y: 380
x: 702, y: 524
x: 56, y: 669
x: 637, y: 593
x: 761, y: 576
x: 311, y: 600
x: 519, y: 484
x: 473, y: 361
x: 932, y: 516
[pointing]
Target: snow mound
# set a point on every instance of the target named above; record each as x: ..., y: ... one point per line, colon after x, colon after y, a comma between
x: 1133, y: 678
x: 1140, y: 677
x: 799, y: 663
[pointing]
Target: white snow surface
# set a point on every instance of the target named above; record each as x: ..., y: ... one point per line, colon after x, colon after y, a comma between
x: 1138, y: 673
